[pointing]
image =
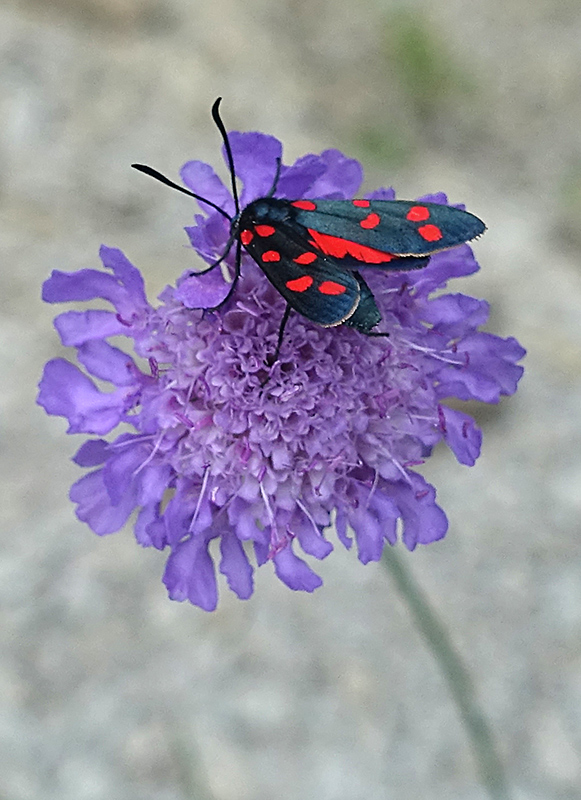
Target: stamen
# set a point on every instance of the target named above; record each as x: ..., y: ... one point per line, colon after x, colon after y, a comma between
x: 309, y: 516
x: 429, y: 351
x: 441, y: 419
x: 401, y: 469
x: 278, y: 546
x: 267, y: 505
x: 149, y: 458
x: 200, y: 497
x: 183, y: 419
x: 373, y: 488
x: 203, y: 422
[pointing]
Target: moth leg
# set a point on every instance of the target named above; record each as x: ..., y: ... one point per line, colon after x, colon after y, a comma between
x: 229, y: 244
x: 273, y: 359
x: 234, y: 279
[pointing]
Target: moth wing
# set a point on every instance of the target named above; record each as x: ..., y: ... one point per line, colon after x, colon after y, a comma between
x: 394, y: 227
x: 366, y: 315
x: 310, y: 282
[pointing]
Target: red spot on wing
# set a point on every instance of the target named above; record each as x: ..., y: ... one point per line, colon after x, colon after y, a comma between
x: 305, y: 205
x: 305, y: 258
x: 417, y: 214
x: 330, y: 287
x: 300, y: 284
x: 264, y: 230
x: 271, y: 255
x: 246, y: 237
x: 361, y: 203
x: 431, y: 233
x: 334, y: 246
x: 372, y: 220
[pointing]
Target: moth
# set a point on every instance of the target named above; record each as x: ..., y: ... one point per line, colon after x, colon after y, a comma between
x: 311, y: 250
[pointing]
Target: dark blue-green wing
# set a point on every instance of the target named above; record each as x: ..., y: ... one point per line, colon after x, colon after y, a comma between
x: 310, y: 282
x: 360, y: 231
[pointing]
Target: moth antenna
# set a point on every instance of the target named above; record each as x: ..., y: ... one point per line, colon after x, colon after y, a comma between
x: 153, y: 173
x: 238, y: 258
x: 272, y: 189
x: 220, y: 125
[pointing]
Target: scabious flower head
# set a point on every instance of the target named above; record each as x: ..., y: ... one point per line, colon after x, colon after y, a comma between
x: 264, y: 459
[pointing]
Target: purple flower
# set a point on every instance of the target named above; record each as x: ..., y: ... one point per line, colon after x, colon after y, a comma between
x: 264, y: 459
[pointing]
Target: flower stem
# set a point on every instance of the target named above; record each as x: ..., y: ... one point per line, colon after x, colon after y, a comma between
x: 190, y: 775
x: 456, y: 674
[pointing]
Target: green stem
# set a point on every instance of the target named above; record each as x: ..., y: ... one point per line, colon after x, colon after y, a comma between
x: 190, y: 776
x: 456, y: 674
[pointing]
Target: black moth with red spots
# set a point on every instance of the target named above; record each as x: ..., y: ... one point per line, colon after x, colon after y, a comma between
x: 311, y: 250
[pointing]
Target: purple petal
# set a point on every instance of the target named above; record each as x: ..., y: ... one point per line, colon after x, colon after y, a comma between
x: 438, y: 197
x: 190, y: 575
x: 242, y: 517
x: 455, y: 263
x: 368, y: 535
x: 146, y: 521
x: 94, y: 505
x: 423, y: 520
x: 261, y: 552
x: 108, y: 363
x: 381, y: 194
x: 203, y: 516
x: 462, y: 435
x: 310, y: 538
x: 467, y: 384
x: 255, y: 157
x: 496, y: 357
x: 183, y: 507
x: 202, y: 180
x: 295, y: 572
x: 386, y: 513
x: 152, y: 531
x: 92, y: 453
x: 178, y: 514
x: 118, y: 472
x: 489, y: 369
x: 455, y: 314
x: 85, y: 284
x: 235, y: 566
x: 77, y: 327
x: 153, y: 481
x: 209, y: 236
x: 296, y: 180
x: 373, y: 521
x: 341, y: 528
x: 66, y: 392
x: 125, y: 272
x: 206, y: 290
x: 341, y: 180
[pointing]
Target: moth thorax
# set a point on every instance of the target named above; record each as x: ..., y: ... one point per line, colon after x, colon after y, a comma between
x: 271, y: 210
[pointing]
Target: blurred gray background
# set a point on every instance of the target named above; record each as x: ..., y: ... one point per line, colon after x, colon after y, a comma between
x: 109, y: 691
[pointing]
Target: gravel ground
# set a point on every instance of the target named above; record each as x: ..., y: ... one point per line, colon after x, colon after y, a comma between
x: 108, y: 689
